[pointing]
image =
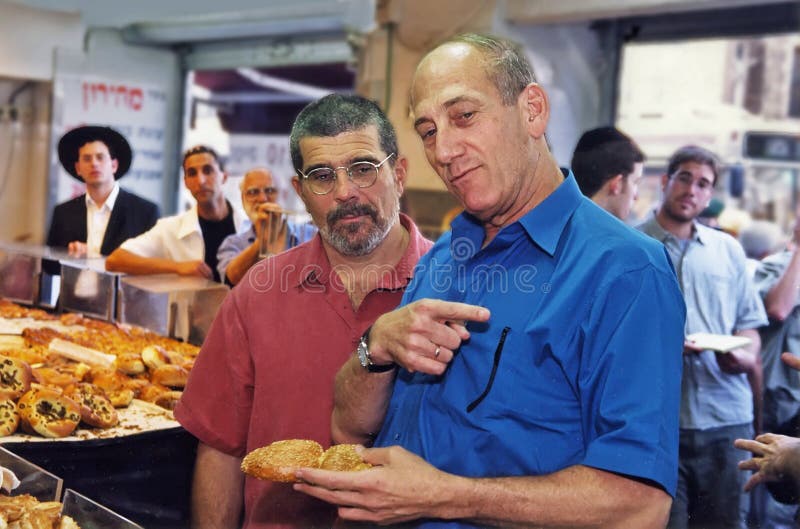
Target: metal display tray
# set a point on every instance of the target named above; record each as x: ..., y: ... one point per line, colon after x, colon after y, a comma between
x: 171, y: 305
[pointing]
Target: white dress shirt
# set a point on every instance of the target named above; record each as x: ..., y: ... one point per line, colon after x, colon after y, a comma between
x: 97, y: 221
x: 177, y: 238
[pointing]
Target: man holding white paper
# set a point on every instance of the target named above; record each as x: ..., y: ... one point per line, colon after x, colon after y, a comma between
x: 718, y: 388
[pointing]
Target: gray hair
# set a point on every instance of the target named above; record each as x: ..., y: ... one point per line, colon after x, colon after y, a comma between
x: 761, y: 238
x: 507, y: 66
x: 337, y: 113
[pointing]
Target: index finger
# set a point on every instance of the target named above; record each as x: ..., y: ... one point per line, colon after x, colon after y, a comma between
x: 454, y: 310
x: 791, y: 360
x: 749, y: 445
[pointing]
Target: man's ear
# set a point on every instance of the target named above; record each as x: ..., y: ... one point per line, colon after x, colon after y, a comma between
x: 401, y: 173
x: 114, y: 166
x: 298, y: 187
x: 615, y: 184
x: 224, y: 177
x: 664, y: 180
x: 536, y: 109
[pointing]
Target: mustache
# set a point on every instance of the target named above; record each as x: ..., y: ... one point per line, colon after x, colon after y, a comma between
x: 346, y: 210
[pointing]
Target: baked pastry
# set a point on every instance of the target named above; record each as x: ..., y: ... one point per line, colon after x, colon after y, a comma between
x: 154, y: 356
x: 280, y: 460
x: 15, y: 376
x: 170, y: 375
x: 48, y: 413
x: 96, y: 409
x: 168, y: 399
x: 343, y: 458
x: 130, y: 363
x: 9, y: 417
x: 49, y: 376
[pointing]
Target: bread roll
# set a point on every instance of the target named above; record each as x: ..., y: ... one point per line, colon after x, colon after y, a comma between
x: 130, y: 364
x: 154, y: 356
x: 9, y: 417
x: 343, y: 458
x: 170, y: 375
x: 280, y: 460
x: 15, y: 377
x: 96, y: 409
x: 48, y: 413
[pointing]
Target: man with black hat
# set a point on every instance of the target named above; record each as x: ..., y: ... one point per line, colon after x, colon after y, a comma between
x: 608, y: 166
x: 97, y: 222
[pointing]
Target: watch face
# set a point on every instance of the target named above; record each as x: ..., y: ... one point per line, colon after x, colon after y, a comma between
x: 362, y: 353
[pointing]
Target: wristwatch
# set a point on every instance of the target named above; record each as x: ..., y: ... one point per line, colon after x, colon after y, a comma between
x: 366, y: 361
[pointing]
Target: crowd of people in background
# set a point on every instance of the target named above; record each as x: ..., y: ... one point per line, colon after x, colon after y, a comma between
x: 604, y: 404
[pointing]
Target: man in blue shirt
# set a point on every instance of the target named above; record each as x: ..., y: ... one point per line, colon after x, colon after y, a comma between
x: 532, y: 373
x: 717, y: 400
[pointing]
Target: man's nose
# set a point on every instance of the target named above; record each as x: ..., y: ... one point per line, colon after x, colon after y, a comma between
x: 343, y: 188
x: 448, y: 147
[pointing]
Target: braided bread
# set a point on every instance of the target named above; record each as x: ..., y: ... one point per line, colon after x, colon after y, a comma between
x: 48, y: 413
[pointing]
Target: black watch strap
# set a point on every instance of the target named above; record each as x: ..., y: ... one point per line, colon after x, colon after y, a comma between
x: 370, y: 367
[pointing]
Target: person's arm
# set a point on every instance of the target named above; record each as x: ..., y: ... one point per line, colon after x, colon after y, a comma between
x: 130, y: 263
x: 238, y: 266
x: 782, y: 297
x: 217, y: 490
x: 576, y: 496
x: 420, y: 336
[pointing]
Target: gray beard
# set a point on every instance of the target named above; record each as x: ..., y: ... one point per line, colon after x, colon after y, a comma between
x: 341, y: 238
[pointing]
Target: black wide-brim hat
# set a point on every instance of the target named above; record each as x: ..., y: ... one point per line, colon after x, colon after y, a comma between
x: 71, y: 142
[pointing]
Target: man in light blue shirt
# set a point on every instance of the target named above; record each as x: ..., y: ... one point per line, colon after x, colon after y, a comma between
x: 717, y: 399
x: 266, y: 233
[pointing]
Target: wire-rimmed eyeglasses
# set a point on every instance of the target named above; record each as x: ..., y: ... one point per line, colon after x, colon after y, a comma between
x: 323, y: 179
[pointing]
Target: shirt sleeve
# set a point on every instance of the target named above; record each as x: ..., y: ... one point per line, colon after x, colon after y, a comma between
x: 149, y: 244
x: 218, y: 398
x: 750, y: 313
x: 630, y: 376
x: 232, y: 246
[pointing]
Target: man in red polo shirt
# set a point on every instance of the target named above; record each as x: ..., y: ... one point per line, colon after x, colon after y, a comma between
x: 267, y: 367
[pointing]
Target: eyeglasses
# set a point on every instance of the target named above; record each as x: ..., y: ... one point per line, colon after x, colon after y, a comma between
x: 254, y: 192
x: 322, y: 180
x: 702, y: 184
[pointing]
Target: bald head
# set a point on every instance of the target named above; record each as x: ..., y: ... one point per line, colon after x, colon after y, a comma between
x: 257, y: 188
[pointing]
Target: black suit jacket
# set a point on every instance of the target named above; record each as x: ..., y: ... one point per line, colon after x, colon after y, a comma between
x: 132, y: 215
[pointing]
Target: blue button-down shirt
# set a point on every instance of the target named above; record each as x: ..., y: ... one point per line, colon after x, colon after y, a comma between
x: 589, y: 371
x: 720, y: 299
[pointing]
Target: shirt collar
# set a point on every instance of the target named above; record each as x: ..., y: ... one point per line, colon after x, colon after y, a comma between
x: 190, y: 223
x: 317, y: 268
x: 544, y: 224
x: 698, y: 233
x: 110, y: 201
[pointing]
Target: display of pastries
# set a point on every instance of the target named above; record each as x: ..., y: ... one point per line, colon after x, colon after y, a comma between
x: 141, y: 364
x: 24, y: 511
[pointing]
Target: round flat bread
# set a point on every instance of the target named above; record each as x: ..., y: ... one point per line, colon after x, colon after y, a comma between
x: 343, y: 458
x: 280, y: 460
